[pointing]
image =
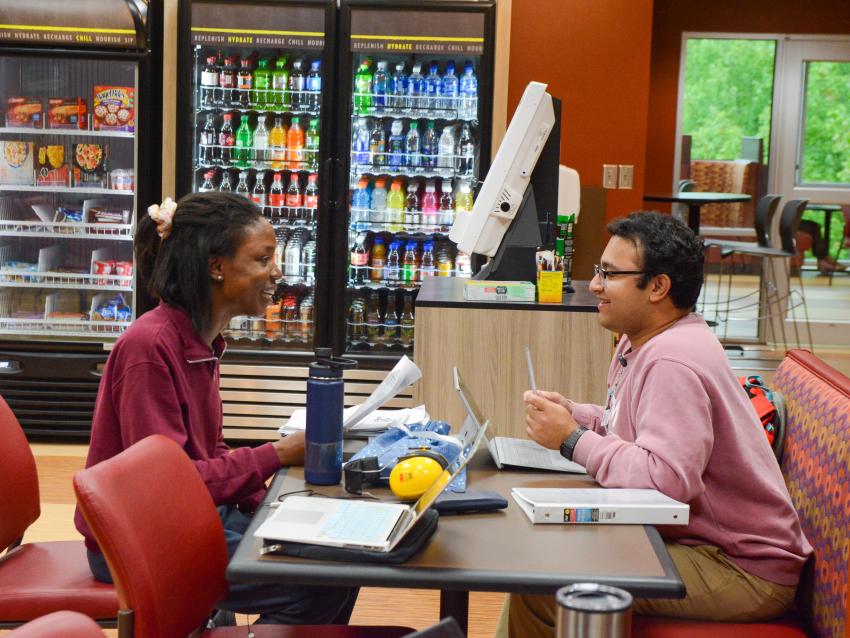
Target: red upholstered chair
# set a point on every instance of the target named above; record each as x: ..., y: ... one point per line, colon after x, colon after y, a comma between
x: 60, y: 624
x: 161, y: 535
x: 815, y: 464
x: 38, y: 578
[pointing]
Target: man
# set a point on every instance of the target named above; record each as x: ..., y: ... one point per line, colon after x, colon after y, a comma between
x: 675, y: 420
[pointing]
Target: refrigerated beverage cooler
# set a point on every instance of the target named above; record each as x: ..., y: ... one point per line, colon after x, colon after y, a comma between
x: 361, y: 129
x: 79, y: 89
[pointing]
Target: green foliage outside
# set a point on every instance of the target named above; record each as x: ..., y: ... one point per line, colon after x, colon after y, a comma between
x: 826, y: 138
x: 728, y: 95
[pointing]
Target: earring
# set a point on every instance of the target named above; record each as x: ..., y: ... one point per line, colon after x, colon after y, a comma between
x: 219, y: 278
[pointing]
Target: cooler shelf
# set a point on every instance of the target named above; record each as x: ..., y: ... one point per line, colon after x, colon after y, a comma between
x: 19, y: 130
x: 61, y: 327
x: 71, y: 230
x: 64, y: 189
x: 12, y: 278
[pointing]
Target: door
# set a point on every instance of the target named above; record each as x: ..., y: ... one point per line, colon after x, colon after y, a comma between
x: 811, y: 154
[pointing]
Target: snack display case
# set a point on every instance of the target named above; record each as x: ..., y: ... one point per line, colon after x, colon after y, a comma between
x: 73, y: 174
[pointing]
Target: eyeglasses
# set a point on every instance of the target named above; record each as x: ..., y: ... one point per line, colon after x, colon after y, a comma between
x: 605, y: 275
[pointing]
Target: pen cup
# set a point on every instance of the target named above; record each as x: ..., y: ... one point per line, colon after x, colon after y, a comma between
x: 550, y: 286
x: 588, y: 610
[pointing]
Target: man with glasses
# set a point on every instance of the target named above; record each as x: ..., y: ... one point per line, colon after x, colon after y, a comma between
x: 675, y: 419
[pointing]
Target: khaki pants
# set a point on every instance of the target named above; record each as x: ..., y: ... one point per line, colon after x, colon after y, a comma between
x: 717, y: 589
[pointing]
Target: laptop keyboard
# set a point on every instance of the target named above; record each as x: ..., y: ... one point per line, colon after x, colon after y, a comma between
x: 358, y: 522
x: 518, y: 452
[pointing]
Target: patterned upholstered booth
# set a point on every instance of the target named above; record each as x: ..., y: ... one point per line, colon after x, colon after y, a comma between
x: 735, y: 176
x: 816, y: 465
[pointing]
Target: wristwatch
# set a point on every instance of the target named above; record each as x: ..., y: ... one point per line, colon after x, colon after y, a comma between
x: 569, y: 444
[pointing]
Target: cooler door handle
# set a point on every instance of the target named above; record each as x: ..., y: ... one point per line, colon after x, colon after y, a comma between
x: 11, y: 366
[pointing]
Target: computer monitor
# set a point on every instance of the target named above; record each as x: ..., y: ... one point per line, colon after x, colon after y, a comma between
x: 516, y: 209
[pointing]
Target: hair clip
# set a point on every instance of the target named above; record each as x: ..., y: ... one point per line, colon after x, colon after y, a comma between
x: 162, y: 215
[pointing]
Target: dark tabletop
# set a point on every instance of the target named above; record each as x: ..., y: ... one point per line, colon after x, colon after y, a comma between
x: 447, y: 292
x: 499, y: 551
x: 695, y: 197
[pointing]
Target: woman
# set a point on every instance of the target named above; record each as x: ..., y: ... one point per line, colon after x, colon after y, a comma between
x: 208, y: 259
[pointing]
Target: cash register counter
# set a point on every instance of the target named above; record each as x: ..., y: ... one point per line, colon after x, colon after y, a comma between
x: 486, y: 340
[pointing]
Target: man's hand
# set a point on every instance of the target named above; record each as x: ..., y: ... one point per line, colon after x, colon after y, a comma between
x: 548, y: 418
x: 290, y: 449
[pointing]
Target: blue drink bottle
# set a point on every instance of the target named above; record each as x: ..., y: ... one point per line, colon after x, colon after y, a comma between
x: 325, y: 391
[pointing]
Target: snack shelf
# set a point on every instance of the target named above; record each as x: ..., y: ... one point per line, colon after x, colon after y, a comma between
x: 67, y: 132
x: 64, y: 189
x: 73, y: 230
x: 61, y: 327
x: 14, y: 278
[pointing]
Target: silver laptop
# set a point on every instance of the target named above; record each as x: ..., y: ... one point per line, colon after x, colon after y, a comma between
x: 507, y: 452
x: 340, y: 522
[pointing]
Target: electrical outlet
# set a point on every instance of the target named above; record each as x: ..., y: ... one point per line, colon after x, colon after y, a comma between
x: 627, y: 176
x: 609, y: 176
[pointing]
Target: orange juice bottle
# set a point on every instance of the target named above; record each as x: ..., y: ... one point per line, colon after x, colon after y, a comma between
x: 277, y: 144
x: 295, y: 145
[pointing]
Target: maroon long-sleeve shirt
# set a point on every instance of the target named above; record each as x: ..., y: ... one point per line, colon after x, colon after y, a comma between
x: 161, y: 378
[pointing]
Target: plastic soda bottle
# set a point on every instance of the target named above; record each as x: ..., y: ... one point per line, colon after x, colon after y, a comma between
x: 398, y: 88
x: 430, y: 145
x: 209, y: 81
x: 412, y: 214
x: 277, y: 143
x: 311, y: 192
x: 395, y: 207
x: 314, y: 86
x: 465, y: 152
x: 360, y: 142
x: 379, y: 202
x: 396, y: 144
x: 225, y: 186
x: 413, y: 156
x: 378, y: 145
x: 261, y: 142
x: 363, y: 89
x: 429, y: 206
x: 408, y: 264
x: 262, y: 82
x: 463, y: 264
x: 244, y: 83
x: 432, y: 87
x: 380, y: 87
x: 258, y: 195
x: 469, y: 92
x: 226, y: 141
x: 244, y: 143
x: 463, y: 201
x: 360, y: 201
x: 295, y: 145
x: 279, y: 83
x: 378, y: 259
x: 311, y: 146
x: 359, y: 260
x: 392, y: 272
x: 447, y: 204
x: 446, y: 150
x: 293, y: 192
x: 242, y: 187
x: 276, y: 195
x: 296, y: 86
x: 207, y: 142
x: 449, y: 89
x: 428, y: 268
x: 207, y: 184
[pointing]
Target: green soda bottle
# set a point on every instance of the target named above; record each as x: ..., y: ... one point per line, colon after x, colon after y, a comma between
x: 280, y: 82
x: 363, y: 89
x: 311, y: 146
x: 244, y: 143
x: 262, y: 83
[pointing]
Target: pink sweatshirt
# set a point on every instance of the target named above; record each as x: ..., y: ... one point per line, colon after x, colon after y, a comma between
x: 680, y: 423
x: 161, y: 378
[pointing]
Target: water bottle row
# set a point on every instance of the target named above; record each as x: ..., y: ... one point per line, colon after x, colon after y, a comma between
x: 252, y: 81
x: 414, y: 151
x: 376, y: 91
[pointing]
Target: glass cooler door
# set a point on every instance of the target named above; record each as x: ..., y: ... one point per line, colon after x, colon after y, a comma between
x: 68, y: 160
x: 257, y: 94
x: 415, y: 157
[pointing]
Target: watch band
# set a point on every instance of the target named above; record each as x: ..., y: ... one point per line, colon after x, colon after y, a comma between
x: 569, y: 444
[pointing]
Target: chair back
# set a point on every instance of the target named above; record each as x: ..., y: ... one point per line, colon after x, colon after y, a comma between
x: 789, y: 221
x: 59, y: 624
x: 158, y: 528
x: 765, y: 212
x: 19, y: 500
x: 686, y: 185
x: 814, y: 463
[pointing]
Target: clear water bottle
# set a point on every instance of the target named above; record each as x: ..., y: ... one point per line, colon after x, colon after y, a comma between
x: 323, y: 436
x: 465, y: 152
x: 416, y: 90
x: 449, y: 89
x: 380, y: 87
x: 469, y: 92
x: 360, y: 142
x: 430, y: 144
x: 412, y: 148
x: 395, y: 156
x: 296, y: 86
x: 314, y: 86
x: 432, y: 89
x: 446, y: 150
x: 398, y: 88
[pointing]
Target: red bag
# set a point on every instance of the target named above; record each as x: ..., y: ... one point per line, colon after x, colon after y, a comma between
x: 770, y: 409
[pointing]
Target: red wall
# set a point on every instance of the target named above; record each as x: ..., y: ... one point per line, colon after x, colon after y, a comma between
x: 595, y: 56
x: 672, y: 17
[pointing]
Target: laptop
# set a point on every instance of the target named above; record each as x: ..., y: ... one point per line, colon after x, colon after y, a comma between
x: 339, y: 522
x: 507, y: 452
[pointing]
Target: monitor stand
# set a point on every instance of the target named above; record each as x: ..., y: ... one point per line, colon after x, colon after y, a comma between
x: 516, y: 259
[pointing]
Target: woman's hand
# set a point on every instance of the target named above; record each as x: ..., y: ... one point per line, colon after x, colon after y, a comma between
x: 290, y: 449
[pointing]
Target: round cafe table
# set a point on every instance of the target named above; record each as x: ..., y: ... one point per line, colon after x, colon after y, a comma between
x: 694, y: 200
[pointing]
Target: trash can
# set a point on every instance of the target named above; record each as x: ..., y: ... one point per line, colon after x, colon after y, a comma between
x: 588, y: 610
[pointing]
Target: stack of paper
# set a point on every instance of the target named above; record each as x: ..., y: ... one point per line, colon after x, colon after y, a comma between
x: 366, y: 418
x: 612, y: 506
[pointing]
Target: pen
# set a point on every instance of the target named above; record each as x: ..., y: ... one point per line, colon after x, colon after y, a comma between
x: 528, y: 363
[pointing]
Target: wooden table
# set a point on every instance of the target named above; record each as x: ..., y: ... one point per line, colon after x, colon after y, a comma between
x: 499, y: 551
x: 695, y: 200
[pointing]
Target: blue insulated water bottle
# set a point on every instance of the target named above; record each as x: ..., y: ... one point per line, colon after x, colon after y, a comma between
x: 325, y: 391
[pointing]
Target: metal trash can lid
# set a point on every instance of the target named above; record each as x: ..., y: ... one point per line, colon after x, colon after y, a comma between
x: 590, y: 597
